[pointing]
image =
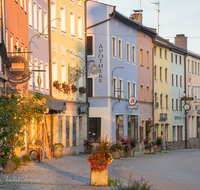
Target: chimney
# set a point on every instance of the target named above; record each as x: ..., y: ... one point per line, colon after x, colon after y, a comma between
x: 136, y: 16
x: 181, y: 41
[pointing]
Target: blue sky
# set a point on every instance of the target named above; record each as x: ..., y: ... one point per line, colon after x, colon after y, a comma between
x: 176, y: 17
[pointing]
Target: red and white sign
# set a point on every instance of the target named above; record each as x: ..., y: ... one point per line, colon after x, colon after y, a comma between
x: 132, y: 101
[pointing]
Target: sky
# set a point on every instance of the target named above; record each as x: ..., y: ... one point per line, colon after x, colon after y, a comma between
x: 176, y: 17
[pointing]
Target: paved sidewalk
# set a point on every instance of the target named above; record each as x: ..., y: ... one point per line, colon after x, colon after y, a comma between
x: 68, y: 172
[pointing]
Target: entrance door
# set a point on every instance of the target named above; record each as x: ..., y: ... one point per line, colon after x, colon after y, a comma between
x: 94, y: 128
x: 178, y: 136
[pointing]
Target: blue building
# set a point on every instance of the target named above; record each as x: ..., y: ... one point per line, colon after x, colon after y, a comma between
x: 112, y: 52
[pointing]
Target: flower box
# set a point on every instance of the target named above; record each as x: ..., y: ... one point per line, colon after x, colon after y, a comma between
x: 147, y: 151
x: 158, y: 149
x: 131, y: 153
x: 116, y: 155
x: 99, y: 178
x: 9, y: 167
x: 58, y: 150
x: 123, y: 154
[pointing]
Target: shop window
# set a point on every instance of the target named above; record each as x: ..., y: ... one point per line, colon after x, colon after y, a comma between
x: 119, y: 126
x: 60, y: 129
x: 94, y: 128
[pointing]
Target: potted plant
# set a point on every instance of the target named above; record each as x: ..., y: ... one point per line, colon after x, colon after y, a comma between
x: 57, y: 85
x: 74, y: 88
x: 66, y: 88
x: 115, y: 152
x: 58, y: 150
x: 125, y: 141
x: 26, y: 159
x: 82, y: 90
x: 118, y: 146
x: 16, y: 112
x: 99, y: 162
x: 158, y: 143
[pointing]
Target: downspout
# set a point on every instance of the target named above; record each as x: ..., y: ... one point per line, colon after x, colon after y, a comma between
x: 50, y: 71
x: 185, y: 102
x: 153, y: 49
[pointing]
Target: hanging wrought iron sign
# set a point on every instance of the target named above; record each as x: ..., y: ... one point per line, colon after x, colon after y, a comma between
x: 75, y: 73
x: 19, y: 70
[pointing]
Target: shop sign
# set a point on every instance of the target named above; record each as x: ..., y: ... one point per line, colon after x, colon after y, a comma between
x: 18, y: 70
x: 132, y: 107
x: 100, y: 58
x: 132, y: 101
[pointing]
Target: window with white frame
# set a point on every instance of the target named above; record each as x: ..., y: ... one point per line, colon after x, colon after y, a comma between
x: 198, y: 69
x: 35, y: 15
x: 30, y: 14
x: 188, y: 65
x: 114, y: 87
x: 141, y: 57
x: 62, y: 15
x: 195, y: 67
x: 172, y: 57
x: 156, y: 100
x: 176, y: 104
x: 188, y: 90
x: 11, y: 43
x: 167, y: 103
x: 134, y: 90
x: 155, y: 72
x: 53, y: 14
x: 161, y: 100
x: 176, y: 80
x: 121, y: 88
x: 79, y: 3
x: 161, y: 77
x: 180, y: 81
x: 40, y: 19
x: 114, y: 46
x: 55, y: 71
x: 120, y: 49
x: 160, y: 52
x: 47, y: 76
x: 165, y: 54
x: 42, y: 75
x: 21, y: 4
x: 181, y: 106
x: 72, y: 23
x: 176, y: 59
x: 129, y: 89
x: 172, y: 79
x: 90, y: 46
x: 192, y: 67
x: 45, y: 23
x: 172, y: 104
x: 128, y: 52
x: 25, y: 6
x: 133, y: 54
x: 63, y: 73
x: 80, y: 27
x: 180, y: 60
x: 166, y: 74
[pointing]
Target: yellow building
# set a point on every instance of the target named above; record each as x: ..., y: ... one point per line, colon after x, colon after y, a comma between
x: 162, y: 115
x: 67, y: 58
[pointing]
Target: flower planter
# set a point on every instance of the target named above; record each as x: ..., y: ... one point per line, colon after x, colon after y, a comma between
x: 123, y: 154
x: 99, y: 178
x: 116, y: 155
x: 147, y: 151
x: 9, y: 167
x: 58, y: 151
x: 131, y: 153
x: 158, y: 149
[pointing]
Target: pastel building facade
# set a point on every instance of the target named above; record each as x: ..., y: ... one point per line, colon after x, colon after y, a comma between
x: 177, y: 89
x: 162, y: 113
x: 68, y: 55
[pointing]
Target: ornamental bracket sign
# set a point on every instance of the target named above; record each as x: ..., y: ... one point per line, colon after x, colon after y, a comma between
x: 187, y: 98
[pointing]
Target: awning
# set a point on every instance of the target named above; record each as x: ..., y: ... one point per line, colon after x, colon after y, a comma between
x: 3, y: 55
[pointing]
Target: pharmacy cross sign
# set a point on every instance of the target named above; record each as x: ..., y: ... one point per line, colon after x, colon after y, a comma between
x: 132, y: 101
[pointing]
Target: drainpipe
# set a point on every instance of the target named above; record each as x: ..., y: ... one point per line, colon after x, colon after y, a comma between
x: 50, y: 71
x: 185, y: 102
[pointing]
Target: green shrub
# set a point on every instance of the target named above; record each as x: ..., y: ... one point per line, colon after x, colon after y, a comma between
x: 111, y: 181
x: 17, y: 160
x: 112, y: 148
x: 26, y: 159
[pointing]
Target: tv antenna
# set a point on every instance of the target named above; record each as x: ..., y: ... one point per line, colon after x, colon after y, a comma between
x: 158, y: 4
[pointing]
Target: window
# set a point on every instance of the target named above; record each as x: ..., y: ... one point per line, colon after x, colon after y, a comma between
x: 94, y: 128
x: 195, y: 67
x: 192, y: 67
x: 155, y: 53
x: 181, y: 106
x: 63, y: 68
x: 21, y: 4
x: 114, y: 87
x: 60, y: 129
x: 53, y: 14
x: 62, y: 15
x: 198, y: 69
x: 79, y: 3
x: 180, y: 81
x: 67, y: 130
x: 134, y: 90
x: 176, y: 104
x: 47, y: 76
x: 156, y: 100
x: 172, y: 57
x: 41, y: 75
x: 55, y: 71
x: 129, y: 90
x: 165, y: 54
x: 89, y: 45
x: 148, y: 97
x: 74, y: 131
x: 90, y: 87
x: 176, y: 58
x: 133, y: 128
x: 40, y: 20
x: 121, y: 88
x: 25, y: 5
x: 155, y: 72
x: 35, y: 15
x: 161, y: 74
x: 120, y: 49
x: 114, y: 46
x: 161, y: 101
x: 188, y: 66
x: 188, y: 90
x: 167, y: 106
x: 160, y: 52
x: 166, y: 73
x: 142, y: 93
x: 80, y: 31
x: 72, y: 24
x: 172, y: 79
x: 180, y: 60
x: 147, y: 59
x: 172, y: 104
x: 141, y: 57
x: 176, y: 80
x: 119, y: 126
x: 45, y: 23
x: 133, y: 54
x: 128, y: 52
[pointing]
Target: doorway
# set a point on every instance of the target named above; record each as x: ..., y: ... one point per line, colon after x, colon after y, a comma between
x: 94, y: 128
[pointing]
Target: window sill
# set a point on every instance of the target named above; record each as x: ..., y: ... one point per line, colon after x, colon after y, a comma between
x: 63, y: 33
x: 53, y: 28
x: 72, y: 37
x: 148, y: 67
x: 80, y: 40
x: 142, y: 65
x: 79, y: 6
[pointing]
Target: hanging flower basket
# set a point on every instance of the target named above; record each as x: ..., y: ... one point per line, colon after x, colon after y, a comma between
x: 74, y: 88
x: 66, y: 88
x: 82, y: 90
x: 57, y: 85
